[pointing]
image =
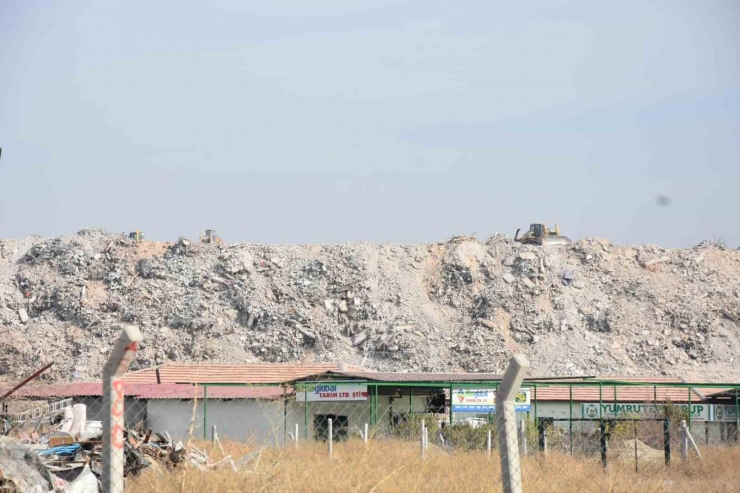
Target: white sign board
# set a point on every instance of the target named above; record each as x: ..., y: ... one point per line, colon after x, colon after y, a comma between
x: 484, y: 400
x: 699, y: 412
x: 330, y: 392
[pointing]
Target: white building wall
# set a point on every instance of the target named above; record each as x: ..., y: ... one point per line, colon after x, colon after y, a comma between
x: 239, y: 419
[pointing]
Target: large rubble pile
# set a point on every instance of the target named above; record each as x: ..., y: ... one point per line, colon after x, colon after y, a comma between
x: 588, y: 308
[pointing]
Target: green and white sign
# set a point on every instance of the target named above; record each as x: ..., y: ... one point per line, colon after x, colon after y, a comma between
x: 699, y: 412
x: 724, y: 412
x: 330, y: 392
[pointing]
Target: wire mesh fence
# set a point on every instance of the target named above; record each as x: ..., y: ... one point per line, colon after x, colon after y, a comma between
x: 191, y: 425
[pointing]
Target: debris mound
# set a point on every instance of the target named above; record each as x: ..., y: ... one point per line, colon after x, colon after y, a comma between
x: 589, y: 307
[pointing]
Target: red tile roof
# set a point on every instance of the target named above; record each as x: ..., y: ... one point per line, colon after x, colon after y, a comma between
x: 149, y: 391
x: 231, y: 373
x: 80, y: 389
x: 623, y: 394
x: 179, y: 391
x: 419, y: 377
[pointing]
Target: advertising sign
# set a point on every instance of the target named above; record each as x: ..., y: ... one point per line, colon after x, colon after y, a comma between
x: 724, y: 412
x: 699, y: 412
x: 330, y: 392
x: 484, y: 400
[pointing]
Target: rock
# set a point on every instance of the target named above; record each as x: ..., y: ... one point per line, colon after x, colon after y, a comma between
x: 359, y: 339
x: 23, y: 314
x: 343, y: 306
x: 306, y: 333
x: 527, y: 255
x: 509, y: 278
x: 527, y: 282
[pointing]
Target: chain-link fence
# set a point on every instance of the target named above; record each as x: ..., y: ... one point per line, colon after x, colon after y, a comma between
x: 163, y: 427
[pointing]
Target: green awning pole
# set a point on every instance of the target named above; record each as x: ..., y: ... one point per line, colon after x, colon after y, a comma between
x: 570, y: 423
x: 615, y: 397
x: 374, y: 404
x: 737, y: 418
x: 451, y: 413
x: 205, y: 412
x: 305, y: 412
x: 689, y: 409
x: 411, y: 401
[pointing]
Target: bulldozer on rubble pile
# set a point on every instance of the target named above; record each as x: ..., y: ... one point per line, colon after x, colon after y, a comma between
x: 538, y: 234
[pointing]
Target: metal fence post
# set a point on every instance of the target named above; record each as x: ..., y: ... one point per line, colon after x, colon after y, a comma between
x: 570, y: 418
x: 511, y: 470
x: 452, y: 414
x: 634, y: 423
x: 667, y: 441
x: 737, y: 418
x: 305, y: 412
x: 113, y: 405
x: 602, y: 441
x: 205, y: 412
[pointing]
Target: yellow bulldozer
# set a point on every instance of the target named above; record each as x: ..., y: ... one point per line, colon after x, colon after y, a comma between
x: 538, y: 234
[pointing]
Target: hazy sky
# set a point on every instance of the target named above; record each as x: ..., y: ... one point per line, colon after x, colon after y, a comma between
x: 386, y: 121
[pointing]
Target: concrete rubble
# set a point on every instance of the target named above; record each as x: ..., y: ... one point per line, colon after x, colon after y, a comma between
x: 462, y: 305
x: 63, y: 452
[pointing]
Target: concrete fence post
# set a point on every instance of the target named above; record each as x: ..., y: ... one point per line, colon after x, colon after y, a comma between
x: 296, y: 434
x: 693, y: 443
x: 423, y: 433
x: 511, y: 469
x: 364, y: 437
x: 426, y: 438
x: 331, y: 438
x: 113, y: 407
x: 523, y: 437
x: 488, y: 444
x: 214, y: 434
x: 684, y: 440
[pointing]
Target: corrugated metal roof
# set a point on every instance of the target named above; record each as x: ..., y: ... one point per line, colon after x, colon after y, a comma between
x: 716, y: 393
x: 257, y: 373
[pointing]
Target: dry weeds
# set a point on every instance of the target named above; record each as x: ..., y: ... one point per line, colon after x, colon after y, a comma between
x: 396, y: 467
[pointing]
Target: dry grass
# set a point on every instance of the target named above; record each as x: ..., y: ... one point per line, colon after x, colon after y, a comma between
x: 397, y: 467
